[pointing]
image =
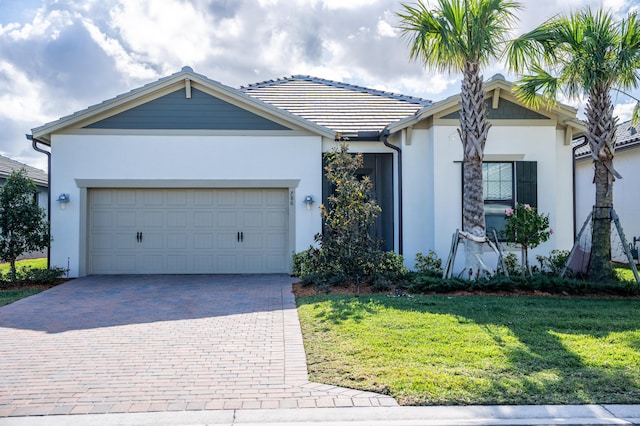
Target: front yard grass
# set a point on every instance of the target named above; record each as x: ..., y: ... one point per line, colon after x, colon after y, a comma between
x: 427, y: 350
x: 10, y: 293
x: 10, y: 296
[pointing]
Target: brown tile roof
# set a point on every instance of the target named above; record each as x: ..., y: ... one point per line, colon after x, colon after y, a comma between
x: 341, y: 107
x: 7, y: 165
x: 626, y: 137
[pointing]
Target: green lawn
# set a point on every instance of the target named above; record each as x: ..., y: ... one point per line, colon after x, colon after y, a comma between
x: 32, y: 263
x: 476, y: 350
x: 10, y: 296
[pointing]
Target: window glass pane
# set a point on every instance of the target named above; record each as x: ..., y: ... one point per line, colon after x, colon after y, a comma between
x: 498, y: 181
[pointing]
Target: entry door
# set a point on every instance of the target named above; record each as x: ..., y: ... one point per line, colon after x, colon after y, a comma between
x: 178, y: 231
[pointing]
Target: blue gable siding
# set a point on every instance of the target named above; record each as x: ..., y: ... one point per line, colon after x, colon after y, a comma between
x: 176, y: 111
x: 506, y: 111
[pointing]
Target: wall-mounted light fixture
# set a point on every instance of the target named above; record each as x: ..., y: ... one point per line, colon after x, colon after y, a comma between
x: 308, y: 201
x: 63, y: 199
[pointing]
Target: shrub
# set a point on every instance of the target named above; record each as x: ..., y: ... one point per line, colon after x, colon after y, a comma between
x: 527, y: 227
x: 28, y: 275
x: 430, y: 264
x: 512, y: 263
x: 553, y: 263
x: 347, y: 251
x: 305, y: 262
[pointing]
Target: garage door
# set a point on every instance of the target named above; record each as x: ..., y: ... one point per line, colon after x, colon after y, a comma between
x: 188, y: 231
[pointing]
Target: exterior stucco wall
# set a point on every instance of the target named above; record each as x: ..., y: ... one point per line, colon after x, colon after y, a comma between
x: 419, y: 170
x: 182, y: 157
x: 625, y: 191
x: 435, y: 157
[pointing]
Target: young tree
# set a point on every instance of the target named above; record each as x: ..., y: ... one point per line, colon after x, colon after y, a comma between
x: 347, y: 248
x: 23, y: 226
x: 586, y: 53
x: 462, y: 36
x: 527, y: 227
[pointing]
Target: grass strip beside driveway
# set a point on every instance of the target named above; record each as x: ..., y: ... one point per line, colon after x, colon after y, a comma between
x: 426, y: 350
x: 10, y: 296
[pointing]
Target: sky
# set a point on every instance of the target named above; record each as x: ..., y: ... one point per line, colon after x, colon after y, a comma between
x: 60, y: 56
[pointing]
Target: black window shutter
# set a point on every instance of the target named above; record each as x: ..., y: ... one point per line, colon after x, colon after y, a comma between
x: 527, y: 183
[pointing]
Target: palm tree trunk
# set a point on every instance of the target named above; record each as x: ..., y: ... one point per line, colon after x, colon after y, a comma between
x: 474, y: 127
x: 601, y: 137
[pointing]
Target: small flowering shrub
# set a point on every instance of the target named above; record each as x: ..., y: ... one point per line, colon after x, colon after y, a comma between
x: 527, y: 227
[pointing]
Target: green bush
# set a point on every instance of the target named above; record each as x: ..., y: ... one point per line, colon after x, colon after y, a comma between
x: 305, y: 262
x: 512, y: 263
x: 29, y: 275
x: 430, y: 264
x: 553, y: 263
x: 540, y: 282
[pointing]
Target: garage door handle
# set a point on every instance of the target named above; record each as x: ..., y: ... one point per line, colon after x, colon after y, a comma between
x: 242, y: 236
x: 238, y: 237
x: 139, y: 237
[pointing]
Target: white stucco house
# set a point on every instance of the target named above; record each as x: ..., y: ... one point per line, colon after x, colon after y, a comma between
x: 187, y: 175
x: 626, y: 201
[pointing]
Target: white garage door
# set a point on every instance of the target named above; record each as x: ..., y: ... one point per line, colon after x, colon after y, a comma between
x: 188, y: 231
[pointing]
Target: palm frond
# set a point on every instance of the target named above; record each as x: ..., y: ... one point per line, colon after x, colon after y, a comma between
x: 457, y: 31
x: 538, y: 90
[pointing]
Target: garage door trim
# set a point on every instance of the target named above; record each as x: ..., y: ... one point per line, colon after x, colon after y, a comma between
x: 85, y: 184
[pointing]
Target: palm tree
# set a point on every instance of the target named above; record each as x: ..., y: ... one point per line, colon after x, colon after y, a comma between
x: 462, y: 36
x: 586, y: 53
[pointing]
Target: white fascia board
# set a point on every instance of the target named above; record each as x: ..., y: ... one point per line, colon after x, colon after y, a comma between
x: 44, y: 132
x: 566, y: 113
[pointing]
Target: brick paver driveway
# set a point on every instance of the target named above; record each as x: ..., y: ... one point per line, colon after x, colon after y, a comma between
x: 159, y: 343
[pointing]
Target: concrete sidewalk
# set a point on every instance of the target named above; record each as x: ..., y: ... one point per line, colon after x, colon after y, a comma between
x: 357, y: 416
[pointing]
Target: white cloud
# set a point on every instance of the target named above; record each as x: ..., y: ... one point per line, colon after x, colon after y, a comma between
x: 128, y: 63
x: 21, y: 97
x: 168, y: 32
x: 384, y: 29
x: 624, y: 111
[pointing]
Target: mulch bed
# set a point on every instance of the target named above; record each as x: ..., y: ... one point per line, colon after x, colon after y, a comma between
x: 28, y: 286
x: 300, y: 290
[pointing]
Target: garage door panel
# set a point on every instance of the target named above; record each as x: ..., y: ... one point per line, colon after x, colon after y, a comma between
x: 126, y: 219
x: 227, y: 198
x: 103, y: 219
x: 276, y: 219
x: 276, y: 241
x: 226, y: 219
x: 102, y: 241
x: 177, y: 199
x: 203, y: 241
x: 177, y: 219
x: 188, y: 231
x: 276, y: 198
x: 203, y: 198
x: 153, y: 240
x: 252, y: 219
x: 226, y: 263
x: 125, y: 264
x: 153, y: 198
x: 125, y: 198
x: 203, y: 219
x: 152, y: 219
x: 176, y: 264
x: 125, y: 240
x: 152, y: 263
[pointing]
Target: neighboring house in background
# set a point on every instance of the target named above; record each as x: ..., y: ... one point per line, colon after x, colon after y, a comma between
x: 626, y: 198
x: 39, y: 177
x: 186, y: 175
